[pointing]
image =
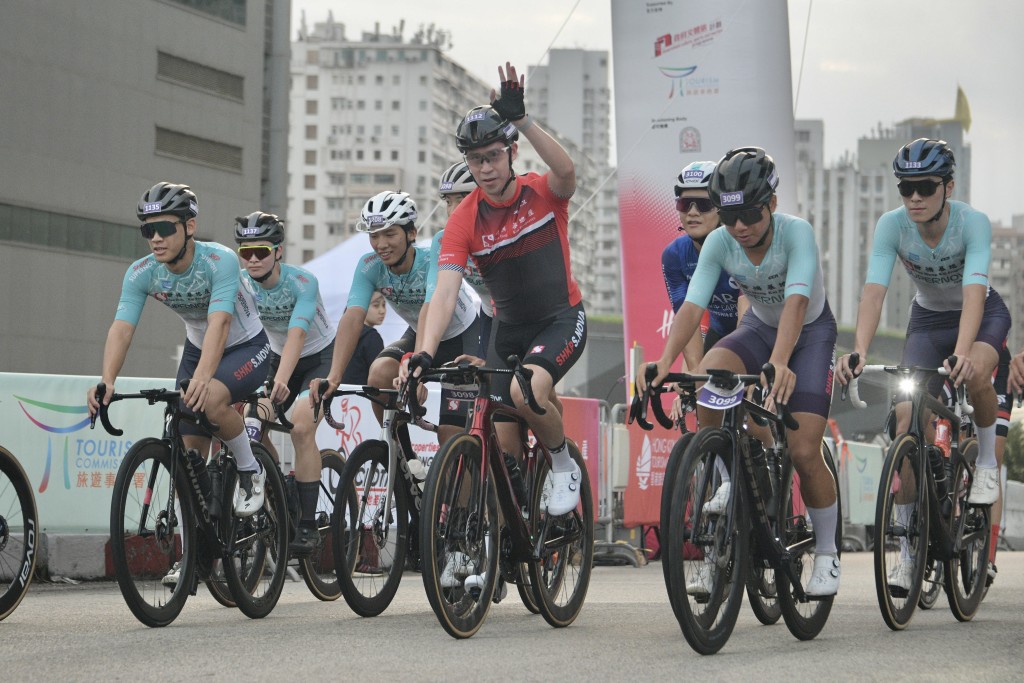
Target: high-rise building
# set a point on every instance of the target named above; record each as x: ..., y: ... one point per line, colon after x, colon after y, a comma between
x: 101, y: 101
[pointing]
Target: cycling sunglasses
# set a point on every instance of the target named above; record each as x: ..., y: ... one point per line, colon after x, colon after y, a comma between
x: 163, y: 228
x: 924, y: 188
x: 747, y: 216
x: 703, y: 204
x: 260, y: 251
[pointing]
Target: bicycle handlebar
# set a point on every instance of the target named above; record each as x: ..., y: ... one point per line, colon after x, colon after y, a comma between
x: 152, y: 396
x: 852, y: 387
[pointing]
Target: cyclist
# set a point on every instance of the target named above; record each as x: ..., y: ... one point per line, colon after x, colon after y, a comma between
x: 945, y: 247
x: 774, y: 259
x: 400, y: 270
x: 302, y: 343
x: 225, y: 346
x: 515, y: 228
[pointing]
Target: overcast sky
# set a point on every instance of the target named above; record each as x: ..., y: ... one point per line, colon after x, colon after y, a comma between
x: 866, y: 62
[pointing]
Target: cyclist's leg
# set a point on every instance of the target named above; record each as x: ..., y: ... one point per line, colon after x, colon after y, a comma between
x: 999, y: 382
x: 384, y: 368
x: 456, y: 400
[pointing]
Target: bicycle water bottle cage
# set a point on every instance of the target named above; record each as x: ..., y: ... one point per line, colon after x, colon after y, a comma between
x: 720, y: 398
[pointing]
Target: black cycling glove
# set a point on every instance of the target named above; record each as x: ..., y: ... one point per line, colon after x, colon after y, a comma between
x: 510, y: 102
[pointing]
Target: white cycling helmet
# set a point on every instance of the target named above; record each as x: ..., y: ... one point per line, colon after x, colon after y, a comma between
x: 386, y: 209
x: 695, y: 176
x: 456, y: 180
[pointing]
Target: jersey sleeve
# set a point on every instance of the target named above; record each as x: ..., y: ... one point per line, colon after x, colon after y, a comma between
x: 432, y: 268
x: 978, y: 248
x: 884, y: 246
x: 362, y: 284
x: 307, y: 289
x: 133, y: 296
x: 709, y: 268
x: 227, y: 278
x: 676, y: 283
x: 801, y: 258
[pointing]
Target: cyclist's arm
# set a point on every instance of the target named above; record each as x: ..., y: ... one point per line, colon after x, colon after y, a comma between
x: 684, y: 326
x: 562, y: 176
x: 290, y: 355
x: 693, y: 352
x: 115, y: 350
x: 742, y: 306
x: 791, y: 324
x: 675, y: 279
x: 970, y: 318
x: 977, y: 258
x: 349, y: 327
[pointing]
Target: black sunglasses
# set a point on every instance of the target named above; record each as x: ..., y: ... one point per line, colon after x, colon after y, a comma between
x: 703, y: 204
x: 260, y: 251
x: 924, y: 188
x: 163, y: 228
x: 747, y: 216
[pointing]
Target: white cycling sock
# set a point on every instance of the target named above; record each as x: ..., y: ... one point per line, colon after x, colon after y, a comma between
x: 904, y: 511
x: 824, y: 521
x: 723, y: 472
x: 561, y: 461
x: 240, y: 448
x: 987, y: 447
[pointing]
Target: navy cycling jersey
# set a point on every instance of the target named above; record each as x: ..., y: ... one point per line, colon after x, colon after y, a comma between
x: 678, y: 262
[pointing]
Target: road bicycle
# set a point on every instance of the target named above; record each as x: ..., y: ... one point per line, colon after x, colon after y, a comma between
x: 316, y: 569
x: 468, y: 547
x: 761, y: 523
x: 922, y: 515
x: 371, y: 525
x: 19, y: 533
x: 163, y: 517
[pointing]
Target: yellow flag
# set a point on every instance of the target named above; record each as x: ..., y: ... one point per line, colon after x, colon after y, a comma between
x: 963, y: 110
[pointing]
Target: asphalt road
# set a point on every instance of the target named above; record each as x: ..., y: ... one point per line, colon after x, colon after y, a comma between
x: 626, y: 632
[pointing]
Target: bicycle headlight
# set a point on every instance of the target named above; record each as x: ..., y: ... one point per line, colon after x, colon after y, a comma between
x: 906, y: 385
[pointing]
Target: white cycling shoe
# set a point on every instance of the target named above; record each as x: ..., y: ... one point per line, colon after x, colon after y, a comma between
x: 824, y: 579
x: 565, y: 491
x: 716, y: 505
x: 985, y: 487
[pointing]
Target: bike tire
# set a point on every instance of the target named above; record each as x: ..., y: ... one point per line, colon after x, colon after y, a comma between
x: 318, y: 569
x: 148, y: 536
x: 19, y: 533
x: 256, y: 564
x: 675, y: 459
x: 452, y: 524
x: 805, y: 620
x: 901, y: 512
x: 561, y: 576
x: 217, y: 584
x: 966, y: 573
x: 716, y: 550
x: 370, y: 557
x: 763, y: 594
x: 525, y: 588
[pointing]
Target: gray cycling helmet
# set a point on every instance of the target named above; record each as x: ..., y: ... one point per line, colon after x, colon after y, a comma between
x: 481, y: 126
x: 456, y: 180
x: 168, y: 198
x: 924, y: 157
x: 744, y: 178
x: 259, y: 226
x: 695, y: 176
x: 386, y: 209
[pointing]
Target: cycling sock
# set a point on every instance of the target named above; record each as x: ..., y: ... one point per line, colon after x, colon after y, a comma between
x: 561, y: 461
x: 987, y: 447
x: 824, y: 521
x: 993, y: 544
x: 309, y: 492
x: 722, y: 470
x: 240, y: 448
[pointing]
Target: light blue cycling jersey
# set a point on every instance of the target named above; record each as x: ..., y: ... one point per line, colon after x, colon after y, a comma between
x: 408, y: 292
x: 471, y: 275
x: 960, y: 258
x: 791, y: 266
x: 293, y: 302
x: 212, y: 283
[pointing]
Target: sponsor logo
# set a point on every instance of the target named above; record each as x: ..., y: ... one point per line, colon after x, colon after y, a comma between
x: 643, y: 465
x: 732, y: 198
x: 151, y: 207
x: 252, y: 363
x: 694, y: 36
x: 689, y: 139
x: 678, y: 75
x: 30, y: 551
x: 194, y: 208
x: 214, y: 257
x: 537, y: 349
x: 160, y: 296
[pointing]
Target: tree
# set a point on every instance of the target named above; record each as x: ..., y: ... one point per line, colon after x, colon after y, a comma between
x: 1013, y: 456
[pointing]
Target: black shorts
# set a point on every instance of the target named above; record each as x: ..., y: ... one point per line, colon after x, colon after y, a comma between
x: 554, y: 344
x: 455, y: 400
x: 306, y: 370
x: 243, y: 369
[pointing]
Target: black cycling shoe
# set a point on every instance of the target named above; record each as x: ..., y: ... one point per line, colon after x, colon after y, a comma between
x: 304, y: 542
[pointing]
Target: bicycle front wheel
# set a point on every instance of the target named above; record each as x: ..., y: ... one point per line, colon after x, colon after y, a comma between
x: 318, y: 569
x: 966, y: 571
x: 707, y: 543
x: 256, y: 558
x: 152, y: 532
x: 372, y: 536
x: 459, y: 539
x: 901, y: 532
x: 19, y: 533
x: 675, y: 459
x: 806, y: 618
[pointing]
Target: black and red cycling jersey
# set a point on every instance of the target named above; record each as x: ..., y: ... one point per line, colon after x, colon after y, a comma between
x: 520, y: 247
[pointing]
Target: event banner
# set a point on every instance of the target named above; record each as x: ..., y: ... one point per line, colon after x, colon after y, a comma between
x: 693, y: 79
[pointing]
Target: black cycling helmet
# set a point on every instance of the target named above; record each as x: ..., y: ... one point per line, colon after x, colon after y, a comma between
x: 168, y: 198
x: 924, y: 157
x: 744, y: 178
x: 259, y: 226
x: 481, y: 126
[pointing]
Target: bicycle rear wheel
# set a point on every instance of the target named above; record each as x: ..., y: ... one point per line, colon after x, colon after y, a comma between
x: 369, y: 555
x: 901, y: 532
x: 561, y: 576
x: 763, y: 594
x: 967, y: 571
x: 257, y: 556
x: 805, y: 619
x: 933, y: 584
x: 318, y: 569
x: 19, y: 533
x: 708, y: 551
x: 152, y: 528
x: 459, y: 539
